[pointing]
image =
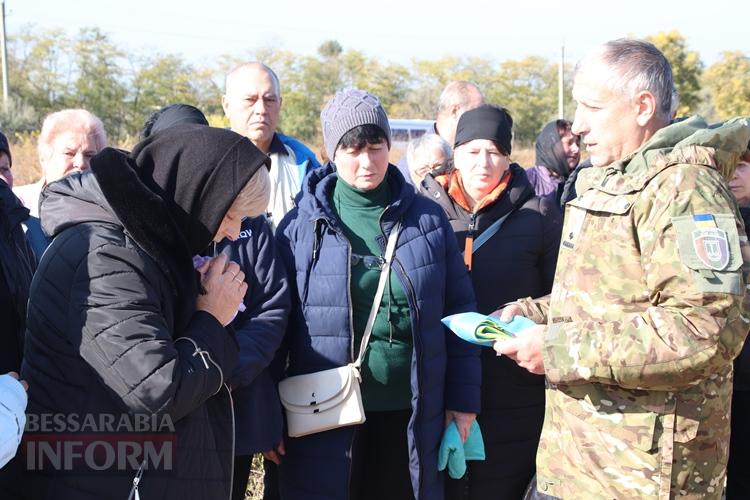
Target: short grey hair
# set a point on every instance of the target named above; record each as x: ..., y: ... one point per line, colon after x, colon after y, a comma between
x: 252, y: 201
x: 459, y: 94
x: 639, y: 66
x: 430, y: 142
x: 70, y: 120
x: 254, y: 65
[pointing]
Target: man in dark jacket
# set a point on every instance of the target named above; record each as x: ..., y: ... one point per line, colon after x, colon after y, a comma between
x: 120, y: 342
x: 252, y: 102
x: 17, y: 265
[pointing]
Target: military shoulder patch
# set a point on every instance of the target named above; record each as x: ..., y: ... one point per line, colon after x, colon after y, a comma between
x: 710, y: 245
x: 710, y: 242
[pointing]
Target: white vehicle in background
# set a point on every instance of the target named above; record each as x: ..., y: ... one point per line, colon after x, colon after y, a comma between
x: 403, y: 130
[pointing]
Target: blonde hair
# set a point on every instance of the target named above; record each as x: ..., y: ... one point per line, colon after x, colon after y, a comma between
x: 69, y: 120
x: 252, y: 201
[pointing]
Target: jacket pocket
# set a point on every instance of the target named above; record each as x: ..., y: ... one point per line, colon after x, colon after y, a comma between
x: 605, y: 418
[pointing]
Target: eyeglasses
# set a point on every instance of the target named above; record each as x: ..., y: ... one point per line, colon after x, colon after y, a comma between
x: 370, y: 262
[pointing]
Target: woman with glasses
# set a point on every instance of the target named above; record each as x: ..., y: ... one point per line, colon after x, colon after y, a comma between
x: 416, y: 376
x: 428, y: 154
x: 510, y: 239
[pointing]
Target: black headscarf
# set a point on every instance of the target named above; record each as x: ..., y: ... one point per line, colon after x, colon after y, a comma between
x: 172, y: 115
x: 172, y: 192
x: 550, y: 152
x: 198, y: 171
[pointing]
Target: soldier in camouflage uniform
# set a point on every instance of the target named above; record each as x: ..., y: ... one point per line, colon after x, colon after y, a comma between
x: 648, y: 307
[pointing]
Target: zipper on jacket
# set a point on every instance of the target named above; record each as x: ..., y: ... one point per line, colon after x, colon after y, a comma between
x: 418, y: 353
x: 390, y: 291
x: 349, y: 295
x: 137, y: 481
x: 407, y: 284
x: 469, y: 242
x: 316, y: 240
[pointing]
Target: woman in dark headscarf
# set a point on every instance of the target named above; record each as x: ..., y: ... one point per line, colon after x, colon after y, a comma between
x: 259, y: 328
x: 557, y: 154
x: 125, y: 340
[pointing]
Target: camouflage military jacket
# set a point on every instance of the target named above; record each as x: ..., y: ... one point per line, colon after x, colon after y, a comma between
x: 644, y: 319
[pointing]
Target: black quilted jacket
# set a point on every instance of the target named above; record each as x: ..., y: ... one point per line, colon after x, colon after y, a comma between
x: 102, y: 340
x: 517, y: 261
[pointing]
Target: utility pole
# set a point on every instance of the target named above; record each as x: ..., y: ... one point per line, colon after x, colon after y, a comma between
x: 4, y: 49
x: 561, y: 84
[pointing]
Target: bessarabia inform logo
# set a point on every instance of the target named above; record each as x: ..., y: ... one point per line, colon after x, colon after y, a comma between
x: 97, y: 442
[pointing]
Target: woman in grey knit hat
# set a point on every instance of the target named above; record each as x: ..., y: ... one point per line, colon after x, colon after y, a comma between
x: 416, y: 376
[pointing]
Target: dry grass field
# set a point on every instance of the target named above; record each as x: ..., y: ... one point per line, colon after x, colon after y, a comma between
x: 26, y: 167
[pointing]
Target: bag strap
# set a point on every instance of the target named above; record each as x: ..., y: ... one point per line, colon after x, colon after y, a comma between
x: 489, y: 232
x: 389, y: 249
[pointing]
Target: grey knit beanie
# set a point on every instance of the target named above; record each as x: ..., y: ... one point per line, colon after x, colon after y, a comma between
x: 349, y: 109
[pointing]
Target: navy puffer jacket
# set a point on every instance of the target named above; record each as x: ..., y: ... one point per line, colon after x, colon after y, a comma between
x: 446, y: 372
x: 259, y: 330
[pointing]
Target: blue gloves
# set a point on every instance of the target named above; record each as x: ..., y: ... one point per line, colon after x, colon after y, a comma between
x: 454, y: 454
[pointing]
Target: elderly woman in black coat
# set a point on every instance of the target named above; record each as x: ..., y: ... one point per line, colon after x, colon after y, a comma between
x: 259, y: 328
x: 126, y: 341
x: 510, y: 239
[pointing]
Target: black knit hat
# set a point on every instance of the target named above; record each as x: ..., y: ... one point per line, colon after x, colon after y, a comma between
x: 485, y: 122
x: 5, y: 148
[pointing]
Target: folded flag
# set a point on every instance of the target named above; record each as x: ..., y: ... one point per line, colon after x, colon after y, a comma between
x: 485, y: 330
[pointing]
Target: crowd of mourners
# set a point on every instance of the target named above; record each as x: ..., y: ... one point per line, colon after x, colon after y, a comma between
x: 160, y: 296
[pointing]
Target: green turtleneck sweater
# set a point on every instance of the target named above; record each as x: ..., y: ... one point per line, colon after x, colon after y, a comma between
x: 386, y: 370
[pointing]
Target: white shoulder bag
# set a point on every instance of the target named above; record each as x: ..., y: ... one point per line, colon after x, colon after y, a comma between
x: 320, y: 401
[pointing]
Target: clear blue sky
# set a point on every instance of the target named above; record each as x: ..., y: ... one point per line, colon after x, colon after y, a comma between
x: 388, y: 29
